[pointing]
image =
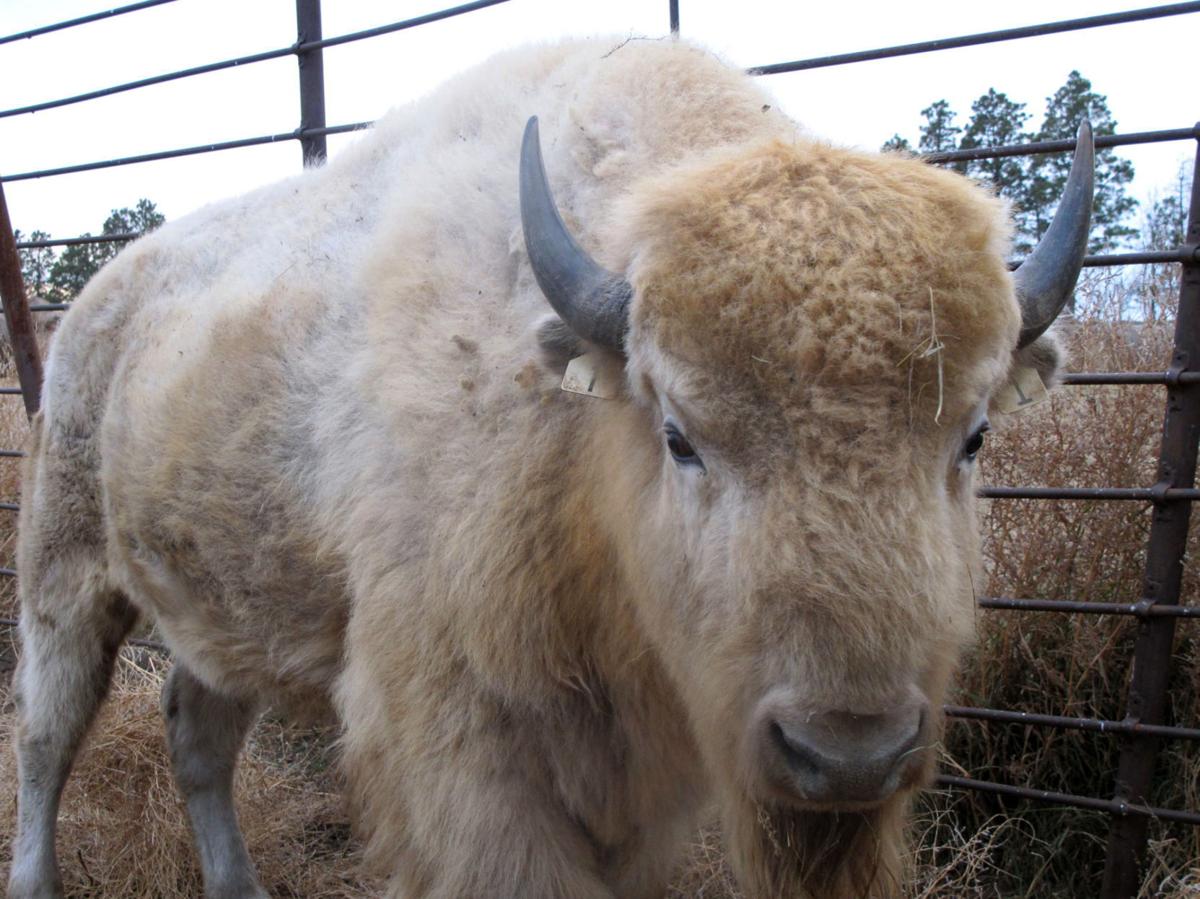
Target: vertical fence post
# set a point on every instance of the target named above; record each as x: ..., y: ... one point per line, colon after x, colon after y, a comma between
x: 674, y: 11
x: 1164, y: 567
x: 312, y: 81
x: 17, y: 315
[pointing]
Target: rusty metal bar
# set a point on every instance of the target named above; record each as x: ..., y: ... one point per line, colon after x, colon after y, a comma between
x: 1147, y: 608
x: 1124, y: 810
x: 312, y: 81
x: 82, y: 20
x: 1157, y: 494
x: 1060, y: 722
x: 16, y: 314
x: 971, y: 40
x: 1165, y: 553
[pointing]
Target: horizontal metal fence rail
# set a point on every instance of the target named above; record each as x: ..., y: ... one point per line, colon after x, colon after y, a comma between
x: 47, y: 307
x: 1118, y: 808
x: 1061, y: 722
x: 301, y: 46
x: 1146, y: 608
x: 1157, y: 494
x: 74, y: 241
x: 82, y: 20
x: 1170, y: 498
x: 242, y: 143
x: 1054, y: 146
x: 1103, y: 141
x: 971, y: 40
x: 1132, y: 377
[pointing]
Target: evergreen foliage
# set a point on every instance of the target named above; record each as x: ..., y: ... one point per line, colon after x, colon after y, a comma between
x: 1034, y: 183
x: 36, y: 263
x: 60, y: 278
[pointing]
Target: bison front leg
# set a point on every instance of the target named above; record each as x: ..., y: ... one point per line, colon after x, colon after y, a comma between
x: 205, y: 731
x: 458, y: 798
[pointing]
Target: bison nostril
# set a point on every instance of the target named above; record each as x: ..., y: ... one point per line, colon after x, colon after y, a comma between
x: 798, y: 757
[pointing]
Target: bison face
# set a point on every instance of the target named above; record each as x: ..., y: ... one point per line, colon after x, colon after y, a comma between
x: 810, y: 338
x: 807, y: 569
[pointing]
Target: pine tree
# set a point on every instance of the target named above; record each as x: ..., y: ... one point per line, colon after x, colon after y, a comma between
x: 36, y: 263
x: 896, y: 144
x: 74, y: 268
x: 939, y: 132
x: 998, y: 121
x: 80, y: 261
x: 1070, y: 104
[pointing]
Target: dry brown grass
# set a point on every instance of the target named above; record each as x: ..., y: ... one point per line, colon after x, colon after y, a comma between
x: 123, y: 833
x: 122, y: 830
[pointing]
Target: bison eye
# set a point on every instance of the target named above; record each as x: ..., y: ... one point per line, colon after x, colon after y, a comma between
x: 681, y: 450
x: 975, y: 442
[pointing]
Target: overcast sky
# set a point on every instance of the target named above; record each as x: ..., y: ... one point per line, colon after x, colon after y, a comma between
x: 1146, y: 69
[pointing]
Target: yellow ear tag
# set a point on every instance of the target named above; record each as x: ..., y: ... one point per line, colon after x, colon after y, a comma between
x: 586, y: 375
x: 1024, y: 390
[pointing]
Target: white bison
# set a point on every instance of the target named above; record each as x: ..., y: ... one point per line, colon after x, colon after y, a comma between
x: 317, y: 435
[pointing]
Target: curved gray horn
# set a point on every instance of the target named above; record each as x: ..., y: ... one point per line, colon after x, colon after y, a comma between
x: 592, y: 301
x: 1046, y: 280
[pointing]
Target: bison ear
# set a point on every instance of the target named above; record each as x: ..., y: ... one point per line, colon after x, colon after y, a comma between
x: 1046, y: 355
x: 557, y: 342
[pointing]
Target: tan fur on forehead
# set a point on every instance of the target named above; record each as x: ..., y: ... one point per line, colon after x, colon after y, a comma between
x: 787, y: 266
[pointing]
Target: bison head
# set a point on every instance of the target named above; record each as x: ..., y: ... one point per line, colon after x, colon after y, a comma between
x: 809, y: 338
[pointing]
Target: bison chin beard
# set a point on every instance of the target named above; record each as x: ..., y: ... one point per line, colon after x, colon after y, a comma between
x: 780, y: 852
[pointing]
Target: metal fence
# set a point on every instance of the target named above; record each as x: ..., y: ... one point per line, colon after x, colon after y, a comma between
x: 1157, y: 609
